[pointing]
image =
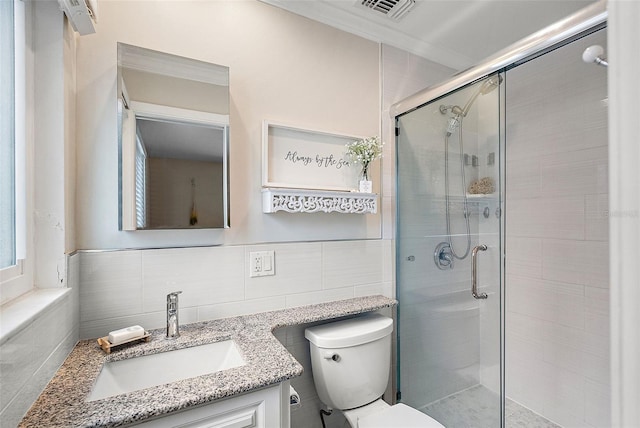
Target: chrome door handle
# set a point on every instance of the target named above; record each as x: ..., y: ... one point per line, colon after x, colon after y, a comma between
x: 474, y: 272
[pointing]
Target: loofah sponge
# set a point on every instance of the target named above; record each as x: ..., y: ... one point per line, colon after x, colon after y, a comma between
x: 483, y: 186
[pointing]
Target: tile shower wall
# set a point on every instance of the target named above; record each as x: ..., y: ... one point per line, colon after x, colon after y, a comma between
x: 557, y: 289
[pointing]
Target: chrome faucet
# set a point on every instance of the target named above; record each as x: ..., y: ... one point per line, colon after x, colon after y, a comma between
x: 173, y: 328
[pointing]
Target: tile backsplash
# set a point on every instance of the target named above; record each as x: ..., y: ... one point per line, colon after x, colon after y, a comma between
x: 123, y: 288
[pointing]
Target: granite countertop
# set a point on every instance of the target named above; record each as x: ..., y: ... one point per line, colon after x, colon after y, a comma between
x: 63, y: 403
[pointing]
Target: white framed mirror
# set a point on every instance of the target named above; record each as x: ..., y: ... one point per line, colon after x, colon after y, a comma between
x: 173, y: 118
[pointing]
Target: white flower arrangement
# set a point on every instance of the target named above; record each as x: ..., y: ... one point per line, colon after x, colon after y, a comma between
x: 364, y: 152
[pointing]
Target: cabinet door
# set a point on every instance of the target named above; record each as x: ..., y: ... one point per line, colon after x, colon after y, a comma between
x: 242, y: 417
x: 268, y: 407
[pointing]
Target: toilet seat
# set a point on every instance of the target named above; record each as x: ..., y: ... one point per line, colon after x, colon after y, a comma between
x: 399, y: 415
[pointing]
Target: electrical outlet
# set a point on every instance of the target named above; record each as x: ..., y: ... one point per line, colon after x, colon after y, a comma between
x: 261, y: 263
x: 255, y: 263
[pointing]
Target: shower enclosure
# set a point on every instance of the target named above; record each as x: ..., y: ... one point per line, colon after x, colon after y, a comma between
x: 502, y: 245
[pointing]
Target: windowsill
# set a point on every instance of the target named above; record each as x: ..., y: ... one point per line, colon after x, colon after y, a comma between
x: 19, y: 313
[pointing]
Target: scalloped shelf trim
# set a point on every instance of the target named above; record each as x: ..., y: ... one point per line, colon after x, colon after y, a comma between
x: 313, y: 201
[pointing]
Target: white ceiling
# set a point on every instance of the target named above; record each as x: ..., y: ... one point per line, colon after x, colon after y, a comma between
x: 172, y: 140
x: 455, y: 33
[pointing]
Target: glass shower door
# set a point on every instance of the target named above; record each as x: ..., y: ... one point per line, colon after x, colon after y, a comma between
x: 449, y: 253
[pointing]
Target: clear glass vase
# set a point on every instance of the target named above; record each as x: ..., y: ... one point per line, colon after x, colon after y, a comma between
x: 365, y: 185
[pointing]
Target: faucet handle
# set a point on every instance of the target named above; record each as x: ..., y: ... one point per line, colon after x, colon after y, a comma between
x: 173, y: 294
x: 172, y: 300
x: 173, y: 329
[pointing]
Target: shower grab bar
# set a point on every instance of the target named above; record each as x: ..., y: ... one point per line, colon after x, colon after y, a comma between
x: 474, y: 272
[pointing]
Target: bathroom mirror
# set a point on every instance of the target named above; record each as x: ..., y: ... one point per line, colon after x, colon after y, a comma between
x: 173, y: 132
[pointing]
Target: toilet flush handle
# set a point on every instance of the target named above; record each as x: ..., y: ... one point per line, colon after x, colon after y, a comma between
x: 331, y: 356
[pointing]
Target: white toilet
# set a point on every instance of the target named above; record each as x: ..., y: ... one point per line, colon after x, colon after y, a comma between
x: 351, y: 361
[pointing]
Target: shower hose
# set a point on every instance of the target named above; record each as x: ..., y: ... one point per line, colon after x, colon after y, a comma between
x: 464, y: 191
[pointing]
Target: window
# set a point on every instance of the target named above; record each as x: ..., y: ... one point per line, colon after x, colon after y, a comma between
x: 13, y: 220
x: 7, y: 137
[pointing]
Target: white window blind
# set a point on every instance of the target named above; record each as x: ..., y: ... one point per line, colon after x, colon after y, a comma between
x: 141, y: 184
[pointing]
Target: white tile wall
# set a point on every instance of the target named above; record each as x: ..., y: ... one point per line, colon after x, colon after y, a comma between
x: 123, y: 288
x: 212, y: 275
x: 110, y: 284
x: 30, y: 358
x: 349, y: 263
x: 557, y: 284
x: 550, y: 217
x: 576, y: 261
x: 298, y: 268
x: 596, y: 212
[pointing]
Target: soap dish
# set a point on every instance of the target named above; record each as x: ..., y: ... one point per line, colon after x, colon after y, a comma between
x: 107, y: 346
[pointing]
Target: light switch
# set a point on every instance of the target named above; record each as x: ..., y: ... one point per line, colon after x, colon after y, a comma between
x: 267, y: 261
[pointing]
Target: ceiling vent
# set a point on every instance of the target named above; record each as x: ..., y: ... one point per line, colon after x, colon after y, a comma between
x: 394, y: 9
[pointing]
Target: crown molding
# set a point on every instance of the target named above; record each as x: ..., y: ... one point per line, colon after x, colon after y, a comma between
x: 325, y: 13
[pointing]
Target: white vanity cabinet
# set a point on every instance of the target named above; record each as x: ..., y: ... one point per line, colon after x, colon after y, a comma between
x: 264, y: 408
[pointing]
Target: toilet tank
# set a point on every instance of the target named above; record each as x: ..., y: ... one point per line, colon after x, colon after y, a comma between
x: 351, y: 359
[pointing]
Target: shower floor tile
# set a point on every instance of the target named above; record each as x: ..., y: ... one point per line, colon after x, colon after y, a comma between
x: 478, y: 407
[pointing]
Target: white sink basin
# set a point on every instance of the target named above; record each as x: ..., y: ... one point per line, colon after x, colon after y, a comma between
x: 119, y: 377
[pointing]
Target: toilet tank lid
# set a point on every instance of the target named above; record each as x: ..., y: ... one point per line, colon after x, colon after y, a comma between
x: 351, y: 332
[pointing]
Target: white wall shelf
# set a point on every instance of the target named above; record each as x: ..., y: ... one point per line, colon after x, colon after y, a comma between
x: 313, y: 201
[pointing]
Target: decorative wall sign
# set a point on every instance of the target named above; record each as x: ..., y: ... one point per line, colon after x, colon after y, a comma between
x: 304, y: 159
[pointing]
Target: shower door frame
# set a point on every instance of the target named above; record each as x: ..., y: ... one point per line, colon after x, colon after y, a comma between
x: 495, y: 379
x: 575, y: 26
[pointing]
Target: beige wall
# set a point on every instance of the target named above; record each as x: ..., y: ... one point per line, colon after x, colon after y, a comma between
x: 282, y: 67
x: 176, y: 92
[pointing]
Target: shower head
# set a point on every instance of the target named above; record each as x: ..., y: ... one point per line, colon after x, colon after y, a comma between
x: 593, y: 54
x: 485, y: 87
x: 488, y: 85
